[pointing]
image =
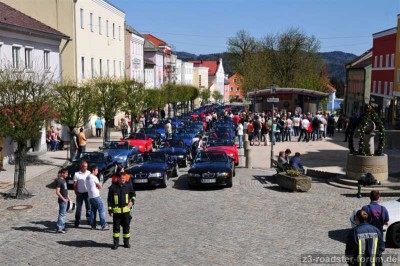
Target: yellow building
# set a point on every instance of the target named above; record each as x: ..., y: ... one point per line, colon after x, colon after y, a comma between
x: 96, y: 28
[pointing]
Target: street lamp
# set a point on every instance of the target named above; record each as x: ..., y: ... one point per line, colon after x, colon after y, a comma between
x: 273, y: 92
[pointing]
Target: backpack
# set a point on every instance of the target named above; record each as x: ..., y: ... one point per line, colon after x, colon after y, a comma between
x: 372, y: 220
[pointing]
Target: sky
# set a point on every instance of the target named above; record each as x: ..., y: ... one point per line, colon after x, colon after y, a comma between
x: 204, y: 26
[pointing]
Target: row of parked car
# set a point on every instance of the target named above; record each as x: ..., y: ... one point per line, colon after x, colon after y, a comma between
x: 152, y: 159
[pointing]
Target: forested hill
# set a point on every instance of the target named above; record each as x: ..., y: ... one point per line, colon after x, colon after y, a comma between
x: 335, y: 61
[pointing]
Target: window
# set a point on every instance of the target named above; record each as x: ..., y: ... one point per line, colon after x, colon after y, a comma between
x: 16, y: 56
x: 108, y: 67
x: 115, y: 68
x: 91, y: 22
x: 46, y: 60
x: 380, y: 60
x: 237, y: 89
x: 83, y: 66
x: 28, y: 58
x: 101, y: 67
x: 92, y: 66
x: 107, y: 33
x: 82, y: 20
x: 392, y: 64
x: 231, y: 88
x: 113, y: 30
x: 234, y: 81
x: 120, y: 68
x: 119, y: 32
x: 100, y: 25
x: 387, y: 61
x: 374, y: 86
x: 385, y: 92
x: 379, y: 87
x: 376, y: 61
x: 199, y: 80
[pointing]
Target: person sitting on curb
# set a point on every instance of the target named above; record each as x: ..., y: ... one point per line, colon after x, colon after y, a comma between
x: 296, y: 163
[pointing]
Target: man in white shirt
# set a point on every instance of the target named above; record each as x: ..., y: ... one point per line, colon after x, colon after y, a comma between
x: 93, y: 187
x: 303, y: 131
x: 81, y: 194
x: 240, y: 134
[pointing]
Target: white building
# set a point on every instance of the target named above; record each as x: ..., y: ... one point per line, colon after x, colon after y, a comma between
x: 134, y: 54
x: 178, y: 71
x: 187, y: 73
x: 156, y: 56
x: 100, y: 45
x: 28, y: 45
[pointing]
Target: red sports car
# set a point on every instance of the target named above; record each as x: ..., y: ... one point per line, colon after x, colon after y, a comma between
x: 227, y: 146
x: 141, y: 141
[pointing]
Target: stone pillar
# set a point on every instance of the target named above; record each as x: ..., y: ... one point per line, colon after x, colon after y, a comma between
x: 247, y: 153
x: 358, y: 165
x: 266, y: 139
x: 245, y: 137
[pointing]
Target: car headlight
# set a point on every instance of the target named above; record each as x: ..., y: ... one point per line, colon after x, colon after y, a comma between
x: 121, y: 158
x: 194, y: 175
x: 155, y: 175
x: 181, y: 156
x: 223, y: 174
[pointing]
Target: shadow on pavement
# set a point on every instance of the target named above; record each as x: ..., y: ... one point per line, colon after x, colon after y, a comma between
x: 265, y: 179
x: 85, y: 244
x: 50, y: 227
x: 339, y: 235
x: 279, y: 189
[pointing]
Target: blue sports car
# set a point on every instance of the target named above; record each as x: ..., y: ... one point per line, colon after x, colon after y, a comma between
x: 153, y: 168
x: 120, y: 151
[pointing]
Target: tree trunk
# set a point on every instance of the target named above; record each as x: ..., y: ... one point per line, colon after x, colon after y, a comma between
x: 107, y: 131
x: 72, y: 148
x: 19, y: 191
x: 169, y: 110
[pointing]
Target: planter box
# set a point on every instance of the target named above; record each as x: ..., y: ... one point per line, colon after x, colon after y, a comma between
x: 294, y: 183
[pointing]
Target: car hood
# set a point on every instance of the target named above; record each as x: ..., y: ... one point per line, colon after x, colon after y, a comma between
x: 210, y: 167
x: 115, y: 153
x: 147, y: 168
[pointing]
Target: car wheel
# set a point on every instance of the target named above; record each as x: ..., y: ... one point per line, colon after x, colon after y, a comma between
x: 393, y: 235
x: 191, y: 186
x: 229, y: 184
x: 165, y: 181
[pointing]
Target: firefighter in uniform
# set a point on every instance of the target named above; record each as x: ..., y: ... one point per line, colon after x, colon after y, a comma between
x: 121, y: 198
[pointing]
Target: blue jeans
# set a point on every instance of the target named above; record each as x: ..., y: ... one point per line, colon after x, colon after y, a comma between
x: 97, y: 205
x: 62, y: 213
x: 240, y: 141
x: 80, y: 198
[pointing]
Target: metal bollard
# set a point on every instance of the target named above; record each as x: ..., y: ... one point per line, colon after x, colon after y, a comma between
x: 248, y: 158
x: 245, y: 137
x: 246, y: 145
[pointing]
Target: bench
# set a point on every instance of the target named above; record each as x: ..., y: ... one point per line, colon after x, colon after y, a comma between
x: 295, y: 183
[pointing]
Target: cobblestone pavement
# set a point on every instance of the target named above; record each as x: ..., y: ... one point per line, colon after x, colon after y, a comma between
x: 253, y: 223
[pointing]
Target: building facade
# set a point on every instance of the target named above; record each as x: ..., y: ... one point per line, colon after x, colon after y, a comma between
x: 178, y: 71
x: 396, y: 89
x: 134, y: 54
x: 154, y: 59
x: 235, y: 91
x: 216, y: 74
x: 357, y: 76
x: 27, y: 44
x: 382, y: 75
x: 200, y: 77
x: 187, y: 73
x: 96, y: 28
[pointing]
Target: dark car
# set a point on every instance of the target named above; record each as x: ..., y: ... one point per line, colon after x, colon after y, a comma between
x: 177, y: 149
x: 120, y: 151
x: 211, y: 169
x: 107, y: 166
x: 153, y: 168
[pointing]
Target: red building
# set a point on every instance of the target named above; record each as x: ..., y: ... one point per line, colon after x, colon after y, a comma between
x: 235, y: 90
x: 382, y: 75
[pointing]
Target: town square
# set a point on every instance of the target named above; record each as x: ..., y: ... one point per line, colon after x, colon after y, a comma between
x: 128, y: 140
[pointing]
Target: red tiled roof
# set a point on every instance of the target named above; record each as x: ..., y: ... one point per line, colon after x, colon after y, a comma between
x: 330, y: 87
x: 154, y: 40
x: 13, y: 17
x: 212, y: 66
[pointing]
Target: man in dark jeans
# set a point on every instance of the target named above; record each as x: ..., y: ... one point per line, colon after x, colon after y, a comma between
x: 81, y: 193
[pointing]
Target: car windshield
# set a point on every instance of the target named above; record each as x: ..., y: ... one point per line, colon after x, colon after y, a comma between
x: 210, y: 157
x: 116, y: 145
x: 157, y: 157
x: 92, y: 157
x: 220, y: 142
x: 140, y: 136
x: 176, y: 143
